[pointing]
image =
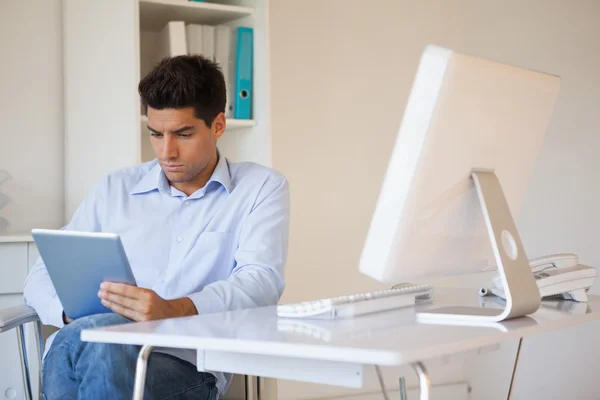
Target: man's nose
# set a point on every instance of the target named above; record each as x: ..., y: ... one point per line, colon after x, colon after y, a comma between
x: 169, y: 147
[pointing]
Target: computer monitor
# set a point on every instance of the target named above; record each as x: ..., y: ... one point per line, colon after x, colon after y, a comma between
x: 458, y: 172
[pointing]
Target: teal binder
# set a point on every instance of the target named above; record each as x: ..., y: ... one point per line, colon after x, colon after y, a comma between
x: 242, y: 108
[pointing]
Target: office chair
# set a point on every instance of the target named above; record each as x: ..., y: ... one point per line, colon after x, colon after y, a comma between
x: 243, y: 387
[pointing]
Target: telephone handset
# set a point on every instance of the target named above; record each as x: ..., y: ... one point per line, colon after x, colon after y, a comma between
x: 556, y: 275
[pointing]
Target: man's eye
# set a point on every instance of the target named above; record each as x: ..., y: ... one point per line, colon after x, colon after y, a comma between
x: 185, y: 135
x: 154, y: 134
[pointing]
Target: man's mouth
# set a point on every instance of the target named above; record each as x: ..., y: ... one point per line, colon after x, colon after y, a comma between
x: 172, y: 167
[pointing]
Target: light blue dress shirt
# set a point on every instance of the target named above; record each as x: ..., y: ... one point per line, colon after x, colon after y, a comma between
x: 224, y: 246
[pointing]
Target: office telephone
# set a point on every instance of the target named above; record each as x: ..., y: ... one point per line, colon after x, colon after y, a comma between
x: 556, y: 275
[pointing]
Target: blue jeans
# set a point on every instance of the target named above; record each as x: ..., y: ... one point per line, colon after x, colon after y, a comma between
x: 74, y: 369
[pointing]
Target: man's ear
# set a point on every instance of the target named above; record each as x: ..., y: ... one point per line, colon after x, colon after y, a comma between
x: 219, y: 124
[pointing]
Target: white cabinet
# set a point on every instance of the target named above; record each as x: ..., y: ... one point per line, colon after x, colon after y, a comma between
x: 17, y: 256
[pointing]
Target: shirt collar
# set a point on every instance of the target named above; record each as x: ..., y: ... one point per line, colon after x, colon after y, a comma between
x: 155, y: 179
x: 221, y: 173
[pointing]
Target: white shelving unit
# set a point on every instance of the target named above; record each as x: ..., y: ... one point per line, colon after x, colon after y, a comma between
x: 107, y: 49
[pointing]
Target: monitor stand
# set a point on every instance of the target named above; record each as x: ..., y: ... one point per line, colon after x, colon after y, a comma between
x: 522, y: 295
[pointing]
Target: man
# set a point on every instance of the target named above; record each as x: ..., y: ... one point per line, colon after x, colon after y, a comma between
x: 202, y: 235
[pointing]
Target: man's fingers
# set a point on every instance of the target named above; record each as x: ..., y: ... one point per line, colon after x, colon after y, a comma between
x: 124, y: 311
x: 126, y: 302
x: 133, y: 302
x: 122, y: 289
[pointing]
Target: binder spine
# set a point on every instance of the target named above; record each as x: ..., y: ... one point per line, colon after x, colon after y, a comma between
x: 244, y: 71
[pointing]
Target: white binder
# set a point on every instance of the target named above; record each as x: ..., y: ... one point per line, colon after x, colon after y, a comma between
x: 201, y: 40
x: 224, y: 58
x: 171, y: 40
x: 194, y: 38
x: 208, y: 41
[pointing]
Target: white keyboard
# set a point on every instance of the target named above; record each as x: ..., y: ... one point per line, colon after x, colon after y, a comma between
x: 357, y: 304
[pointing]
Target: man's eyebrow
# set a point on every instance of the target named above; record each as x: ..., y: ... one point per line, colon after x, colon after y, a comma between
x: 183, y: 129
x: 176, y: 131
x: 152, y: 129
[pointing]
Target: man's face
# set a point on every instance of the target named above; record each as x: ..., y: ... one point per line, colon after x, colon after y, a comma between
x: 183, y: 144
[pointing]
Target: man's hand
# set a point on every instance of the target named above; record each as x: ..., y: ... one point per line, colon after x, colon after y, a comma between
x: 140, y: 304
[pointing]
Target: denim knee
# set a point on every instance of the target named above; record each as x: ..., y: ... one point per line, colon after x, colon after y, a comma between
x: 73, y: 330
x: 71, y: 363
x: 97, y: 321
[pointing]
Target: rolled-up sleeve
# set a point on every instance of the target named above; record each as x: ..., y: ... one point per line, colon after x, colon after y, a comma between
x: 258, y: 278
x: 39, y: 292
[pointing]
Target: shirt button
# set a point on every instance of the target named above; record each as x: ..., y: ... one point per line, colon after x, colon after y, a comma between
x: 187, y: 202
x: 179, y: 238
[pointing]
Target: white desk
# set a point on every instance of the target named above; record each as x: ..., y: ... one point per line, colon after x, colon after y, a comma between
x: 256, y: 342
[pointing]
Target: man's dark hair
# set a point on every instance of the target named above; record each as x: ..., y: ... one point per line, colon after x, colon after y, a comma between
x: 186, y: 81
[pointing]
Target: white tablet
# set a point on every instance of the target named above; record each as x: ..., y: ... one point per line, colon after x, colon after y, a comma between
x: 78, y: 262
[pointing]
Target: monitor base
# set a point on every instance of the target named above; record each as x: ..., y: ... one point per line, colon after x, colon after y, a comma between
x: 462, y: 315
x: 522, y: 294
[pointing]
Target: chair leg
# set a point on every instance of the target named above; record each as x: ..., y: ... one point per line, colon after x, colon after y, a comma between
x: 40, y: 349
x: 140, y: 372
x: 252, y: 389
x: 258, y: 388
x: 24, y: 363
x: 268, y: 388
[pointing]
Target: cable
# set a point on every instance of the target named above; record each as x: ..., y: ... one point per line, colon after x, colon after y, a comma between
x: 514, y: 372
x: 381, y: 384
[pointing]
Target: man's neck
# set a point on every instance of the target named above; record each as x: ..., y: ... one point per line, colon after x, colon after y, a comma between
x: 199, y: 181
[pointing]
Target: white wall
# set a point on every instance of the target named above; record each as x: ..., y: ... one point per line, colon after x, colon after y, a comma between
x: 31, y: 111
x: 341, y: 73
x: 560, y: 213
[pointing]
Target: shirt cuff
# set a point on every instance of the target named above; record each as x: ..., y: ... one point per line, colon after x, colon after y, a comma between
x: 207, y: 301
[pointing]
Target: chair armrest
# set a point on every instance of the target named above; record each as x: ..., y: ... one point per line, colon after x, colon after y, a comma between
x: 13, y: 317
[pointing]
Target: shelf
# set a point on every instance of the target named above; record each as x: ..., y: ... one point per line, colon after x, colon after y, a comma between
x: 154, y: 14
x: 232, y: 123
x: 240, y: 123
x: 10, y: 238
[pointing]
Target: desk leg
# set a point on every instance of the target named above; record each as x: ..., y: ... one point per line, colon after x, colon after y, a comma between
x: 423, y: 380
x: 140, y: 372
x: 402, y: 386
x: 381, y: 384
